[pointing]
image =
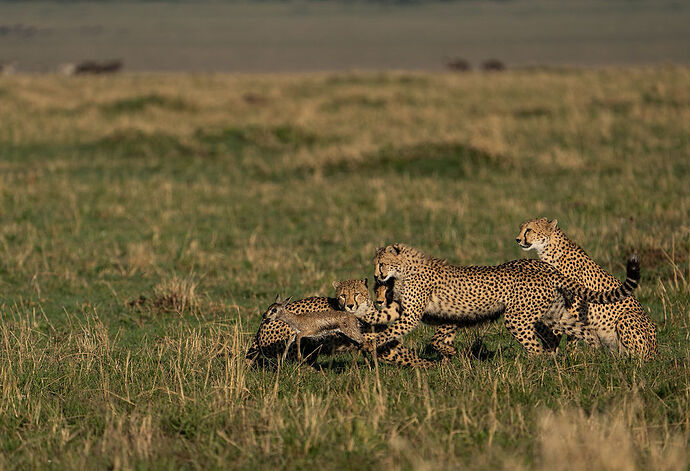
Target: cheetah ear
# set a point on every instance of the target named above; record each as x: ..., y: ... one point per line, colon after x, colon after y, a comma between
x: 335, y: 284
x: 553, y: 224
x: 393, y: 249
x: 366, y: 282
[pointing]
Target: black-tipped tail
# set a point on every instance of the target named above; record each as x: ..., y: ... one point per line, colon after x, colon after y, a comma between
x: 252, y: 354
x: 632, y: 274
x: 626, y: 289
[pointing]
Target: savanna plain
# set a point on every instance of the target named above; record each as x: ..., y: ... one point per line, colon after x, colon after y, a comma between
x: 148, y: 220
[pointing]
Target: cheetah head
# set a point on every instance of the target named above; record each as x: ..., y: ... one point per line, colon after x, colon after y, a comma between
x: 353, y: 295
x: 383, y: 294
x: 388, y: 263
x: 535, y: 234
x: 276, y: 309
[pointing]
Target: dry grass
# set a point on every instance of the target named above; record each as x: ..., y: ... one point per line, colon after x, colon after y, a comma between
x: 571, y: 440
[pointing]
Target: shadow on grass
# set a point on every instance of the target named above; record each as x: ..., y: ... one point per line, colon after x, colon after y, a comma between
x: 533, y: 112
x: 479, y: 351
x: 268, y: 147
x: 476, y: 351
x: 357, y: 101
x: 133, y: 143
x: 329, y: 361
x: 271, y: 138
x: 269, y: 141
x: 140, y: 103
x: 442, y: 160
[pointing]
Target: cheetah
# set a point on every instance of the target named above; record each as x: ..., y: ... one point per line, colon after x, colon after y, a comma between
x: 315, y: 325
x: 387, y: 301
x: 526, y: 293
x: 273, y: 335
x: 623, y: 327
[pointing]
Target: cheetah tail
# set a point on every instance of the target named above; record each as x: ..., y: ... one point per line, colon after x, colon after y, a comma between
x: 253, y: 351
x: 606, y: 297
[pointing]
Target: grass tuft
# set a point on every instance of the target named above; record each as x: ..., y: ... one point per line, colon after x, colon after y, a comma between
x: 176, y: 295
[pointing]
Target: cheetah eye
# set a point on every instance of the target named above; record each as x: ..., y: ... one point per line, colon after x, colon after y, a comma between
x: 527, y: 230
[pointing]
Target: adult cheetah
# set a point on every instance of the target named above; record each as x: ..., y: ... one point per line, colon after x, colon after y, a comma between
x: 387, y: 301
x: 526, y: 293
x: 623, y: 327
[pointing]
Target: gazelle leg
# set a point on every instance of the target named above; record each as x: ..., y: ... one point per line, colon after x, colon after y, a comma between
x: 299, y: 347
x: 287, y: 347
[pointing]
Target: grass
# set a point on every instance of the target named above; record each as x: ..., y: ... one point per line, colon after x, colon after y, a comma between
x: 149, y: 220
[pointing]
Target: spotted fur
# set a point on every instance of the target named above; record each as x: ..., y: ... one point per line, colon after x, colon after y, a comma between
x: 624, y: 327
x: 527, y: 293
x: 388, y: 303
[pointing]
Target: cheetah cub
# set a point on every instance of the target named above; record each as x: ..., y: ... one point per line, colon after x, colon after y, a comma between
x: 315, y: 325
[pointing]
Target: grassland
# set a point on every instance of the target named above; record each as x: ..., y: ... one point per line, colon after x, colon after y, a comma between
x: 148, y: 220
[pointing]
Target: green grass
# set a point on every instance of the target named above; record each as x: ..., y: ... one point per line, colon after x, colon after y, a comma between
x: 147, y: 221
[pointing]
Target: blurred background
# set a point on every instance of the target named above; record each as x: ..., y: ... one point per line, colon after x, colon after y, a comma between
x: 295, y: 36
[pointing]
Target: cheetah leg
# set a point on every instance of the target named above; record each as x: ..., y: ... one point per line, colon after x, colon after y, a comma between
x: 636, y: 335
x: 566, y: 318
x: 406, y: 323
x: 392, y: 312
x: 524, y: 332
x: 442, y: 341
x: 404, y: 356
x: 549, y: 339
x: 572, y: 326
x: 374, y: 317
x: 396, y: 353
x: 388, y: 314
x: 652, y: 346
